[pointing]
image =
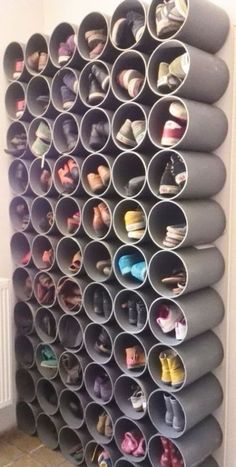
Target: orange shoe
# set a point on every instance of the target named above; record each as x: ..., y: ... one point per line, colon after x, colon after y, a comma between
x: 95, y: 182
x: 105, y: 214
x: 99, y: 226
x: 135, y: 357
x: 104, y: 173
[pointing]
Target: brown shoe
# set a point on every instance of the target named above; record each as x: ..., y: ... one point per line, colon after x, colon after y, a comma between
x: 98, y: 223
x: 104, y: 173
x: 94, y: 37
x: 105, y: 214
x: 43, y: 58
x: 135, y: 357
x: 101, y: 423
x: 33, y: 60
x: 95, y: 182
x: 108, y: 427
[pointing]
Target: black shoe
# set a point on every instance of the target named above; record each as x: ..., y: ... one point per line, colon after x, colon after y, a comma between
x: 136, y: 22
x: 132, y: 311
x: 135, y: 184
x: 107, y: 304
x: 168, y: 185
x: 98, y: 302
x: 96, y: 140
x: 70, y: 132
x: 96, y: 94
x: 178, y: 170
x: 103, y: 344
x: 101, y: 76
x: 141, y: 312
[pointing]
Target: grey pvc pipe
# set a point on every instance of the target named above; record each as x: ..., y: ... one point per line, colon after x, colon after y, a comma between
x: 21, y: 245
x: 60, y: 34
x: 42, y: 243
x: 124, y: 341
x: 49, y: 373
x: 20, y: 278
x: 45, y: 315
x: 144, y: 255
x: 13, y: 52
x: 122, y: 314
x: 205, y: 221
x: 94, y: 370
x: 142, y: 427
x: 66, y: 208
x: 98, y: 251
x: 35, y: 173
x: 24, y: 317
x: 202, y: 310
x: 41, y: 206
x: 131, y: 59
x: 121, y: 208
x: 198, y: 356
x: 203, y: 67
x: 81, y: 361
x: 195, y: 446
x: 77, y: 106
x: 16, y: 91
x: 123, y: 462
x: 88, y: 215
x: 202, y: 119
x: 92, y: 412
x: 109, y: 101
x: 72, y: 407
x: 26, y: 382
x: 109, y: 291
x: 90, y: 118
x: 26, y: 415
x: 198, y: 15
x: 203, y: 266
x: 67, y: 248
x: 72, y: 341
x: 90, y: 165
x: 195, y: 187
x: 48, y: 428
x: 25, y: 350
x: 68, y: 440
x: 91, y: 335
x: 19, y: 186
x: 124, y: 388
x: 136, y: 164
x: 76, y: 188
x: 207, y: 391
x: 40, y: 86
x: 14, y: 129
x: 33, y: 127
x: 48, y: 393
x: 102, y: 22
x: 39, y: 42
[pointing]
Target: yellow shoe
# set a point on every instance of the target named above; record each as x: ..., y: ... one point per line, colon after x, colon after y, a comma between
x: 165, y: 371
x: 176, y: 369
x: 134, y: 220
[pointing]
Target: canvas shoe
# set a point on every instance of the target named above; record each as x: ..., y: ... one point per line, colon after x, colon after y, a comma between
x: 167, y: 24
x: 134, y: 87
x: 179, y: 67
x: 166, y: 82
x: 168, y: 185
x: 178, y: 169
x: 126, y: 262
x: 180, y: 329
x: 101, y: 76
x: 94, y: 37
x: 136, y: 23
x: 179, y: 229
x: 72, y: 83
x: 43, y: 132
x: 125, y: 134
x: 167, y: 317
x: 94, y: 53
x: 134, y: 220
x: 67, y: 97
x: 95, y: 182
x: 139, y: 130
x: 39, y: 147
x: 134, y: 185
x: 125, y: 76
x: 178, y: 110
x: 136, y: 234
x: 172, y: 133
x: 139, y: 271
x: 96, y: 94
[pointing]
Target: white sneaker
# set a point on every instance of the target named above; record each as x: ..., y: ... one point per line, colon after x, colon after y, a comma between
x: 180, y: 330
x: 168, y: 316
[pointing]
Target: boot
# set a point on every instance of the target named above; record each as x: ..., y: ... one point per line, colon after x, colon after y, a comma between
x: 169, y: 410
x: 176, y: 369
x: 178, y: 415
x: 165, y: 371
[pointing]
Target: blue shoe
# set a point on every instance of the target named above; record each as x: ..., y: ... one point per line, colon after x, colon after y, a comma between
x: 139, y: 270
x: 126, y: 262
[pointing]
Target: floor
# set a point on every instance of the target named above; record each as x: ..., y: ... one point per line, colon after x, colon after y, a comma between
x: 19, y: 450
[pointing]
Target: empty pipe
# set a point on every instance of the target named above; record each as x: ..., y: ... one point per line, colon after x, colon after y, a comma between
x: 46, y: 321
x: 48, y: 428
x: 15, y: 52
x: 24, y: 317
x: 26, y: 416
x: 72, y: 407
x: 125, y: 184
x: 18, y: 177
x: 48, y: 393
x: 25, y: 350
x: 39, y: 98
x: 26, y: 382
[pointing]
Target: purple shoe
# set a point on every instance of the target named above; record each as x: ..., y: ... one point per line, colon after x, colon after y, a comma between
x: 68, y: 97
x: 64, y: 53
x: 71, y: 82
x: 70, y: 42
x: 106, y: 390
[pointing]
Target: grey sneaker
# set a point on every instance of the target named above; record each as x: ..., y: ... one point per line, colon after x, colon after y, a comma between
x: 125, y: 134
x: 139, y: 130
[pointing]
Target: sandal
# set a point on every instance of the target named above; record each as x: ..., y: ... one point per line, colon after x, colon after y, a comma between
x: 76, y: 262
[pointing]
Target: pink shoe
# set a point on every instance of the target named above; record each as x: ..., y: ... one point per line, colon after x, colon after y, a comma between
x: 129, y: 443
x: 167, y: 317
x: 140, y: 451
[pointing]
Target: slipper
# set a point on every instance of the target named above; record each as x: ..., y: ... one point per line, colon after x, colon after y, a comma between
x: 76, y: 262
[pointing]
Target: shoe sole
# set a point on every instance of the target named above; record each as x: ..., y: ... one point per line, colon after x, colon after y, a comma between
x: 135, y: 226
x: 135, y: 235
x: 168, y: 141
x: 124, y: 140
x: 134, y: 367
x: 19, y: 113
x: 94, y: 40
x: 63, y: 58
x: 115, y: 30
x: 105, y: 83
x: 16, y: 75
x: 67, y: 105
x: 96, y: 98
x: 168, y: 190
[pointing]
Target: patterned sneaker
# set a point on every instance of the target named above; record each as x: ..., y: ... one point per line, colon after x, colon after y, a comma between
x: 178, y: 169
x: 178, y: 110
x: 172, y: 133
x: 168, y: 19
x: 139, y: 130
x: 125, y: 134
x: 168, y: 185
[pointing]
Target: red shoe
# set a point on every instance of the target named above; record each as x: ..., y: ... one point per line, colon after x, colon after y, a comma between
x: 20, y: 107
x: 105, y: 214
x: 99, y: 226
x: 176, y: 458
x: 26, y: 258
x: 19, y: 65
x: 166, y: 460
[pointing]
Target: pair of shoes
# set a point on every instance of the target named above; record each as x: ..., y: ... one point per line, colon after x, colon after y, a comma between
x: 76, y: 262
x: 69, y: 176
x: 133, y: 444
x: 131, y: 133
x: 103, y: 343
x: 170, y: 16
x: 172, y: 370
x: 70, y: 295
x: 134, y: 185
x: 174, y: 235
x: 18, y: 67
x: 174, y: 415
x: 135, y: 224
x: 48, y: 357
x: 104, y: 266
x: 69, y: 90
x: 37, y: 61
x: 174, y: 130
x: 96, y: 40
x: 132, y: 264
x: 45, y: 289
x: 101, y: 219
x: 174, y: 176
x: 19, y: 142
x: 136, y: 312
x: 131, y: 80
x: 20, y: 107
x: 102, y: 387
x: 72, y: 368
x: 128, y: 29
x: 104, y: 425
x: 99, y: 134
x: 176, y: 280
x: 43, y: 139
x: 98, y: 181
x: 170, y: 319
x: 73, y: 222
x: 102, y: 304
x: 98, y: 85
x: 66, y: 49
x: 138, y: 400
x: 171, y: 75
x: 135, y: 357
x: 170, y: 456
